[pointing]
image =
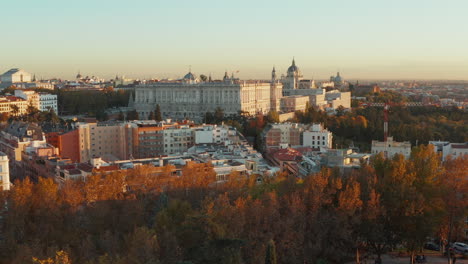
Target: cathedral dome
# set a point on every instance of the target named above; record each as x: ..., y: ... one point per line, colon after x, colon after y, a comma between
x: 338, y: 78
x: 190, y: 76
x: 293, y: 70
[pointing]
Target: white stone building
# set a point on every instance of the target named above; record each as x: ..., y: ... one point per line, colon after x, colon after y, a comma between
x: 30, y: 96
x: 294, y: 103
x: 4, y: 172
x: 48, y: 101
x: 41, y: 101
x: 177, y: 139
x: 391, y: 148
x: 8, y: 103
x: 15, y: 76
x: 317, y: 137
x: 191, y: 98
x: 336, y: 99
x: 446, y: 148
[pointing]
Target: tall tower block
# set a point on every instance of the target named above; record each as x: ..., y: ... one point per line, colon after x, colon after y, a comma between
x: 4, y: 172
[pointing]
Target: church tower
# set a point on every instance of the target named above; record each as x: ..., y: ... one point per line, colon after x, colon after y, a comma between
x: 275, y: 91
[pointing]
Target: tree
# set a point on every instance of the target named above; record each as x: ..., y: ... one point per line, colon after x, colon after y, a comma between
x: 272, y: 117
x: 218, y: 115
x: 203, y: 78
x: 14, y: 109
x: 151, y: 116
x: 132, y: 115
x: 270, y: 256
x: 209, y: 118
x: 454, y: 186
x: 157, y: 113
x: 121, y: 116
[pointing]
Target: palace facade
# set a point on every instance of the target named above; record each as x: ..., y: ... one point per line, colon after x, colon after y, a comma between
x: 192, y: 98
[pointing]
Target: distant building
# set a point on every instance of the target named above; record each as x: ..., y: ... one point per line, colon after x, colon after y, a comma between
x: 361, y: 90
x: 294, y: 103
x: 30, y: 96
x: 336, y: 99
x: 47, y: 102
x: 445, y: 148
x: 4, y: 172
x: 282, y: 135
x: 13, y: 105
x: 391, y: 148
x: 15, y: 76
x: 191, y: 98
x: 41, y: 101
x: 17, y: 136
x: 317, y: 137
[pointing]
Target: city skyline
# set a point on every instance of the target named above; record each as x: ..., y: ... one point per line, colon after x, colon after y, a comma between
x: 363, y: 39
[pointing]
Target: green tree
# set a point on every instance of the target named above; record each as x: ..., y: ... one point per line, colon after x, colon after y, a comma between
x: 133, y: 115
x: 203, y: 78
x: 270, y: 256
x: 157, y: 113
x: 218, y: 115
x: 121, y: 116
x: 272, y: 117
x: 151, y: 116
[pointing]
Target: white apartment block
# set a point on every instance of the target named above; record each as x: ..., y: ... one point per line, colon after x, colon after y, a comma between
x: 177, y: 139
x: 4, y: 172
x: 336, y: 99
x: 391, y: 148
x: 446, y: 148
x: 41, y: 101
x: 207, y: 134
x: 8, y: 104
x: 29, y: 95
x: 48, y: 101
x: 317, y: 137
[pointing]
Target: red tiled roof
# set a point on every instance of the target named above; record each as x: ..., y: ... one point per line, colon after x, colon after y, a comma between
x: 287, y: 154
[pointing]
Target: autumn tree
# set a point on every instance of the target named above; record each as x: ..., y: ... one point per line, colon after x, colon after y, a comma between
x: 270, y: 256
x: 454, y: 185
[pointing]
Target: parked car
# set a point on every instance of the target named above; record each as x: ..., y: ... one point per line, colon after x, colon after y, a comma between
x: 431, y: 246
x: 460, y: 247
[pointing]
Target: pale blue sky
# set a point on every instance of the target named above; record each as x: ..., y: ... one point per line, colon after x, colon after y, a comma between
x: 366, y: 39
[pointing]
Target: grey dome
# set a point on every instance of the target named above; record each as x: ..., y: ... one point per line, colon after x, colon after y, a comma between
x: 293, y: 68
x: 190, y: 76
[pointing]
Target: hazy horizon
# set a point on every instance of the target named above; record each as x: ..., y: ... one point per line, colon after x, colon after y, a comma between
x: 366, y: 40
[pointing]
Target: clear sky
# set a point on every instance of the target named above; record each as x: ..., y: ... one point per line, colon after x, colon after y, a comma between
x: 366, y: 39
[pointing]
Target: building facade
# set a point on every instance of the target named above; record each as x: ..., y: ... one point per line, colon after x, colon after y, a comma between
x: 48, y: 102
x: 192, y: 98
x: 281, y: 135
x: 15, y: 76
x: 317, y: 137
x: 13, y: 105
x: 390, y: 148
x: 4, y: 172
x: 41, y: 101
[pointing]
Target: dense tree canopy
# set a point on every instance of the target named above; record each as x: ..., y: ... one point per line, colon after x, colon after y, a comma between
x: 140, y: 217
